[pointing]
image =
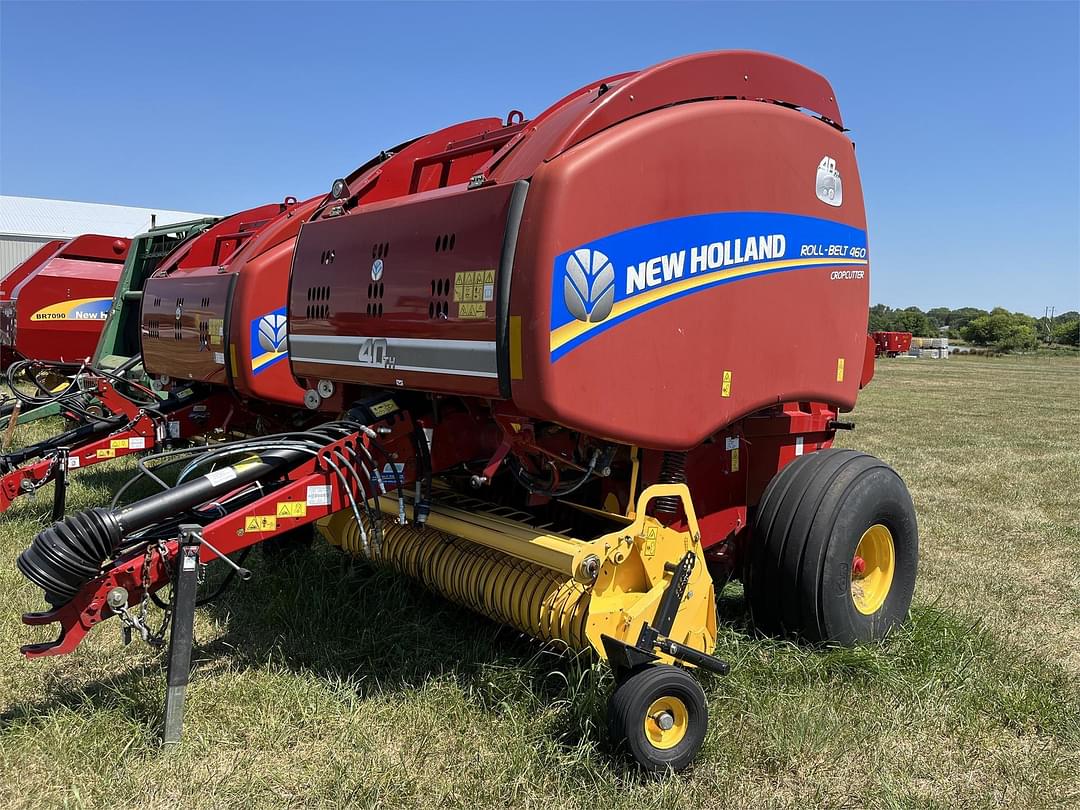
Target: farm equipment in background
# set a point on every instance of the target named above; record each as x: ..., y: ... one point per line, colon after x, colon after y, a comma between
x: 891, y: 344
x: 53, y: 307
x: 116, y: 411
x: 574, y: 397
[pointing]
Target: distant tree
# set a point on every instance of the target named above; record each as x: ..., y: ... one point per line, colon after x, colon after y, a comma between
x: 959, y: 318
x: 939, y: 316
x: 1002, y: 331
x: 914, y: 320
x: 880, y: 318
x: 1067, y: 331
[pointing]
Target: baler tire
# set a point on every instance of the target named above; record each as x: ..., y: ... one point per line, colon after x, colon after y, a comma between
x: 813, y: 516
x: 629, y: 719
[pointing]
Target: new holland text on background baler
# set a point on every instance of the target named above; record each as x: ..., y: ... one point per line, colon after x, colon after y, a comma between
x: 590, y: 366
x: 120, y: 414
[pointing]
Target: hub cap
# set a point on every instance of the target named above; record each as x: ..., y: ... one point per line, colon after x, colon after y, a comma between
x: 872, y: 569
x: 666, y: 722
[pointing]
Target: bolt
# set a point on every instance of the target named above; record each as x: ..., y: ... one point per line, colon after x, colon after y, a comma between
x: 117, y: 598
x: 590, y: 566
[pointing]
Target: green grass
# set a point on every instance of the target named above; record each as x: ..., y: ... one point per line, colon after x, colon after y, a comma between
x: 328, y: 684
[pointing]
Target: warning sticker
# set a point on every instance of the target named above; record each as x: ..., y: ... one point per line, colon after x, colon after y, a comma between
x: 74, y: 462
x: 383, y: 408
x: 472, y: 311
x: 118, y: 444
x: 318, y: 496
x: 137, y: 443
x: 731, y: 443
x: 103, y: 453
x: 725, y: 388
x: 735, y: 460
x: 840, y: 370
x: 260, y: 523
x: 291, y: 509
x: 219, y: 477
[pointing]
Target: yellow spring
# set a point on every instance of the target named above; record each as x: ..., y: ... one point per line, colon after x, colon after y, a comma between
x: 535, y: 600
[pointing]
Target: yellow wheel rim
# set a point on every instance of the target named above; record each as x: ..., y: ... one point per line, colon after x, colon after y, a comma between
x: 872, y: 569
x: 666, y: 722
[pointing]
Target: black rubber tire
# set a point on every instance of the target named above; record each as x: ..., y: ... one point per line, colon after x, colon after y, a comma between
x: 807, y: 527
x: 630, y: 703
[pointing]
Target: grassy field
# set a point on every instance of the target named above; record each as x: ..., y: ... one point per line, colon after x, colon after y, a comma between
x: 328, y: 684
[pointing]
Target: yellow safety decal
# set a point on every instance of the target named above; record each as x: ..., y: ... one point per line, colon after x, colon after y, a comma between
x: 474, y: 285
x: 291, y: 509
x: 840, y: 370
x: 472, y: 311
x: 649, y: 546
x: 735, y: 460
x: 725, y: 389
x: 516, y: 372
x: 261, y: 523
x: 103, y: 453
x: 383, y: 408
x: 118, y: 444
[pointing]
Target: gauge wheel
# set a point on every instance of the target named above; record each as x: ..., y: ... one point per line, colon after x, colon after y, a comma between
x: 658, y: 715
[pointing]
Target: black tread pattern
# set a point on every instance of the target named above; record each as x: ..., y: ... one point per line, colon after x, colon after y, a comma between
x: 630, y: 701
x: 792, y: 531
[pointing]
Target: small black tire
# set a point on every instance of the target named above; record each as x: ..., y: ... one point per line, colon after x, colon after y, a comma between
x: 803, y: 576
x: 636, y: 714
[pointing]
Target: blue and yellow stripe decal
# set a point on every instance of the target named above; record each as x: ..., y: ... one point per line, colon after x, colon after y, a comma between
x: 603, y: 283
x: 77, y: 309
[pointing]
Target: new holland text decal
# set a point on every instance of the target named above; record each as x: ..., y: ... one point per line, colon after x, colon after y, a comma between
x: 611, y: 279
x: 269, y: 340
x: 78, y: 309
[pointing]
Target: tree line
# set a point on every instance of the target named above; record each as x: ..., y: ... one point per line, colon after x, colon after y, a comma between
x: 997, y: 329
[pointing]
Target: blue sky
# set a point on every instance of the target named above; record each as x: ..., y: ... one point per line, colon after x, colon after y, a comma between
x: 965, y: 115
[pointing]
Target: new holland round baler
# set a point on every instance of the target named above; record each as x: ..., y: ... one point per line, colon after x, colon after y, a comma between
x: 53, y: 306
x: 581, y: 370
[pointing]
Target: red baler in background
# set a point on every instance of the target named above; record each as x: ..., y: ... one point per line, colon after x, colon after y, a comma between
x: 54, y: 305
x: 891, y: 344
x: 585, y: 368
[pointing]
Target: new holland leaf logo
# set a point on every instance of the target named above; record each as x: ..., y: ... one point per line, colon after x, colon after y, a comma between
x: 589, y: 285
x: 272, y: 332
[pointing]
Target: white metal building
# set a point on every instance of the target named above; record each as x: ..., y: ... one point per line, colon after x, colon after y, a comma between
x: 26, y: 223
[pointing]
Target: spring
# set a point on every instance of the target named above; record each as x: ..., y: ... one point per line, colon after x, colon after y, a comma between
x: 535, y: 600
x: 672, y: 471
x: 68, y: 554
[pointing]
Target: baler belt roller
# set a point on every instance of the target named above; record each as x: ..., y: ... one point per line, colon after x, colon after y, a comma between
x: 528, y: 597
x: 550, y: 586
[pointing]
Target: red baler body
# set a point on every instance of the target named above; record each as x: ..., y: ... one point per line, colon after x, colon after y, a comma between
x: 56, y: 302
x: 657, y: 166
x: 203, y: 306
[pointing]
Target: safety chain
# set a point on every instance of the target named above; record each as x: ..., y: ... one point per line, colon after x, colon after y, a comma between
x: 138, y: 621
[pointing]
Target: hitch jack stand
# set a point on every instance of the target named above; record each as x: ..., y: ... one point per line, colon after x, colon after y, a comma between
x: 60, y: 487
x: 182, y: 634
